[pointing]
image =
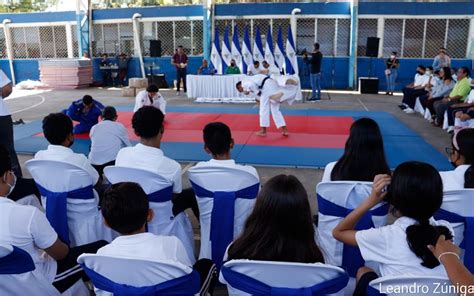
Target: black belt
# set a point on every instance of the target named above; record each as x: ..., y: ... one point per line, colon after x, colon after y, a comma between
x: 261, y: 85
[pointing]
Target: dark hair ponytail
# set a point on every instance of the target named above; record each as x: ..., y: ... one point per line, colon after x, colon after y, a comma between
x: 416, y: 191
x: 419, y: 236
x: 465, y: 142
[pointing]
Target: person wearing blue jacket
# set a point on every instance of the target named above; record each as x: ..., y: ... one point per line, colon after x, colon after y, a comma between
x: 86, y: 111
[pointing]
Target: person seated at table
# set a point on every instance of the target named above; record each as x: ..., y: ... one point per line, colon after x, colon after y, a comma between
x: 150, y: 97
x: 86, y: 111
x: 206, y: 69
x: 254, y: 69
x: 269, y: 69
x: 232, y: 69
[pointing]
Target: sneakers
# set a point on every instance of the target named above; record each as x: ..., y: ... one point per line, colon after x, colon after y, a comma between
x: 409, y: 111
x: 402, y: 106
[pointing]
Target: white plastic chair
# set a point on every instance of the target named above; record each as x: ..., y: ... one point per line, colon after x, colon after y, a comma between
x: 221, y: 179
x: 282, y: 275
x: 132, y: 272
x: 31, y: 200
x: 409, y: 286
x: 164, y: 222
x: 33, y: 282
x: 84, y: 219
x: 348, y: 195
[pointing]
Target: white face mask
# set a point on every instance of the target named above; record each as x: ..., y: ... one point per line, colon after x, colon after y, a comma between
x: 428, y: 72
x: 12, y: 186
x: 392, y: 57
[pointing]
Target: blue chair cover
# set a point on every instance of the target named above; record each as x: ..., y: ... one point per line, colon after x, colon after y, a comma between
x: 351, y: 258
x: 222, y: 217
x: 56, y: 207
x: 162, y: 195
x: 254, y: 287
x: 186, y: 285
x: 18, y: 261
x: 468, y: 242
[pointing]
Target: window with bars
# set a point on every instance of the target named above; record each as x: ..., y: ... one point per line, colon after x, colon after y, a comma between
x: 325, y: 36
x: 39, y: 42
x: 305, y: 33
x: 367, y: 28
x: 393, y: 34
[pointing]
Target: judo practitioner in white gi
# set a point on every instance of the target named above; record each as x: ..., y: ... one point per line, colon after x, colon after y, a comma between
x: 152, y: 97
x: 270, y: 95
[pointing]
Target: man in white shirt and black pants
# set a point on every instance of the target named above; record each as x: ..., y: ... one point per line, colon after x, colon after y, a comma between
x: 6, y: 124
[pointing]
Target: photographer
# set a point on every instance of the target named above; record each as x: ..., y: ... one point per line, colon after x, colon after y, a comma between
x: 315, y: 71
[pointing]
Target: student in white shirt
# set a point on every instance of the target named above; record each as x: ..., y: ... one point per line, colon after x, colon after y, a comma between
x: 27, y: 228
x: 269, y: 69
x: 415, y: 89
x: 270, y: 95
x: 107, y: 138
x: 125, y: 209
x: 415, y: 193
x: 58, y: 130
x: 254, y: 69
x: 6, y: 124
x: 364, y: 155
x: 147, y: 123
x: 150, y: 97
x: 461, y: 155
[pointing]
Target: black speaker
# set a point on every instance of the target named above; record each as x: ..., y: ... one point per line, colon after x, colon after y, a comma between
x: 369, y: 85
x: 155, y: 48
x: 372, y: 48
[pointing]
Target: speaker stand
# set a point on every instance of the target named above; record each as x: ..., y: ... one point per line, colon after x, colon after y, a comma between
x: 370, y: 67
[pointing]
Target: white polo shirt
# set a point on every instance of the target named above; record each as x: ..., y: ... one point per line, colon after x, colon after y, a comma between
x: 147, y: 246
x: 421, y: 80
x: 107, y: 138
x: 388, y: 246
x: 253, y: 71
x: 66, y: 155
x: 157, y: 101
x: 3, y: 107
x: 27, y: 228
x: 454, y: 180
x: 153, y: 160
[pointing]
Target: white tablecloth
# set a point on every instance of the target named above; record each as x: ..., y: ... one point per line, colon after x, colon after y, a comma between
x: 223, y: 86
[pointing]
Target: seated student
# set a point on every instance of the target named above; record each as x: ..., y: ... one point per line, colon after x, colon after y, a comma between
x: 459, y: 108
x: 57, y: 129
x: 461, y: 156
x: 87, y: 112
x: 464, y: 119
x: 364, y: 155
x: 280, y: 227
x: 254, y: 69
x: 269, y: 69
x: 150, y: 97
x: 107, y: 138
x: 27, y: 228
x: 232, y: 69
x: 415, y: 194
x: 441, y: 89
x: 125, y: 209
x: 206, y: 69
x: 415, y: 89
x: 147, y: 123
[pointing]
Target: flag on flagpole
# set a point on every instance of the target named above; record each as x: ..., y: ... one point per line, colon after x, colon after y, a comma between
x: 226, y: 50
x: 216, y: 58
x: 258, y: 54
x: 236, y: 51
x: 280, y: 51
x: 246, y: 51
x: 269, y: 48
x: 291, y: 61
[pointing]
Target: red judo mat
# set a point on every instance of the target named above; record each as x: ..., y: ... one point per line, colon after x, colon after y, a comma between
x: 305, y: 131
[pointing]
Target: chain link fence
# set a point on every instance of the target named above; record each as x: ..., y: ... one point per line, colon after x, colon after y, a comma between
x: 393, y: 34
x: 3, y: 45
x: 367, y: 28
x: 457, y: 37
x: 305, y: 33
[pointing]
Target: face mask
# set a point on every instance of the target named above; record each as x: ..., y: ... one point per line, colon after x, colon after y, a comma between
x: 232, y: 65
x: 428, y: 72
x: 12, y: 186
x: 392, y: 57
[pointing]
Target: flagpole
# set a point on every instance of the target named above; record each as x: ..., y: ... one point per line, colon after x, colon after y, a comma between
x: 353, y: 45
x: 208, y: 16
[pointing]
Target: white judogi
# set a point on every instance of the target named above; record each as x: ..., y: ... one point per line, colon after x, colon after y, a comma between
x: 107, y: 138
x: 273, y: 70
x: 142, y: 99
x: 454, y: 180
x: 252, y: 85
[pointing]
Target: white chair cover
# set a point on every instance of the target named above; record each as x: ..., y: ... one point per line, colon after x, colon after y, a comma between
x: 418, y: 107
x: 218, y: 178
x: 133, y: 272
x: 33, y: 283
x: 31, y: 200
x: 347, y: 194
x: 427, y: 114
x: 84, y: 218
x: 411, y: 285
x: 164, y: 223
x: 445, y: 121
x: 282, y: 274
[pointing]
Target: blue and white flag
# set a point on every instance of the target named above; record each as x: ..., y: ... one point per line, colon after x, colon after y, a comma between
x: 246, y: 51
x: 269, y: 48
x: 226, y: 50
x: 258, y: 54
x: 280, y: 51
x: 236, y: 52
x: 216, y: 59
x: 291, y: 59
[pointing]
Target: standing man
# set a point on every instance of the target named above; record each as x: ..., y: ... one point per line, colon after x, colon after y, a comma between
x: 315, y: 72
x: 180, y: 61
x: 87, y: 112
x: 6, y: 124
x: 442, y: 59
x: 122, y: 62
x: 270, y: 95
x: 150, y: 97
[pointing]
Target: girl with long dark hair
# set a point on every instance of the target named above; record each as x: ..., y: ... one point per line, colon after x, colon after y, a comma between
x: 461, y: 155
x: 364, y: 155
x: 415, y: 193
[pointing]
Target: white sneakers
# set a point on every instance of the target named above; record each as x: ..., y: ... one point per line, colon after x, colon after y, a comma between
x: 409, y: 111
